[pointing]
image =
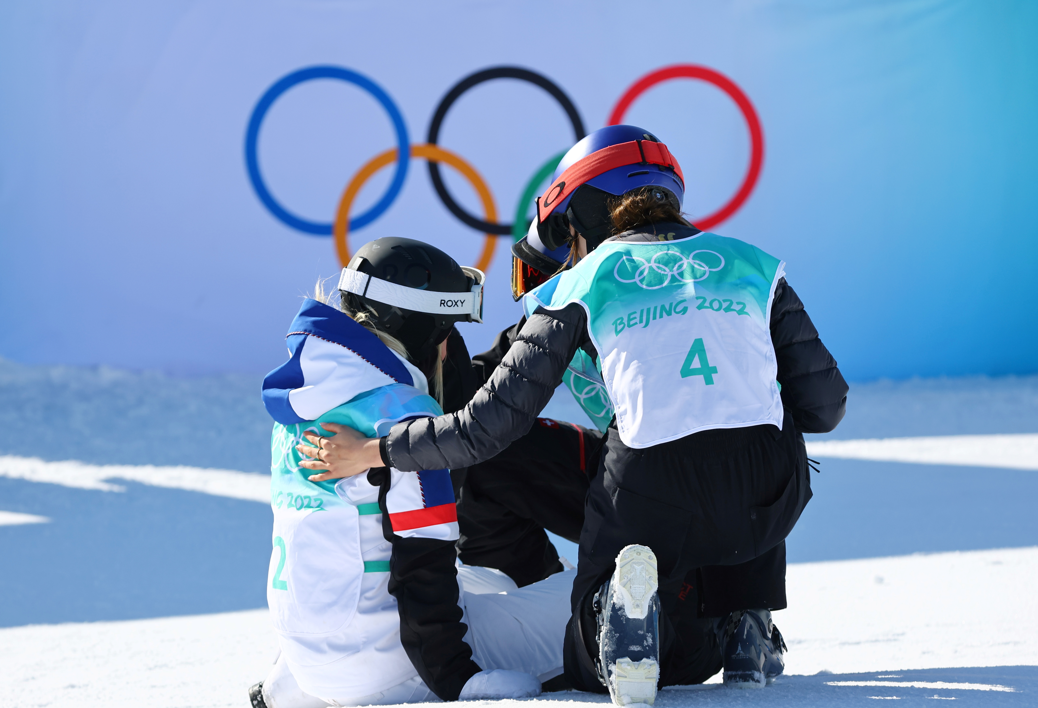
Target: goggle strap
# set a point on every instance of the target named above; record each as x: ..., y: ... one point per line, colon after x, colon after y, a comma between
x: 469, y: 304
x: 636, y: 152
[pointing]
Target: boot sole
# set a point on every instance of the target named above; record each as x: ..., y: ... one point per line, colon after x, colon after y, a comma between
x: 745, y: 679
x: 635, y: 682
x: 639, y: 580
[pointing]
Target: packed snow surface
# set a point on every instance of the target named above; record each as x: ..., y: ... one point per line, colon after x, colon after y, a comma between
x: 904, y: 628
x: 136, y: 531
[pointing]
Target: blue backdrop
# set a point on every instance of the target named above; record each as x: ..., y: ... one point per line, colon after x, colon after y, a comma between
x: 898, y: 160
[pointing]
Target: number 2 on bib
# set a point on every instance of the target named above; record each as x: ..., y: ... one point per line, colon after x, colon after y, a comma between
x: 277, y: 583
x: 698, y: 351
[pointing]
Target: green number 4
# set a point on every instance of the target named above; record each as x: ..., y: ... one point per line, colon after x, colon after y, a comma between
x: 698, y: 351
x: 277, y: 583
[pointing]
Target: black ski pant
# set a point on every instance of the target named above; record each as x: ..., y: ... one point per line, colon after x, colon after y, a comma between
x: 539, y: 483
x: 715, y: 508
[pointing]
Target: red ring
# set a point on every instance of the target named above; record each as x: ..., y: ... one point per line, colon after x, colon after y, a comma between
x: 692, y: 71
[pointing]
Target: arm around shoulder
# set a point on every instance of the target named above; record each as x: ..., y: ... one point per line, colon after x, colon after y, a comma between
x: 504, y: 408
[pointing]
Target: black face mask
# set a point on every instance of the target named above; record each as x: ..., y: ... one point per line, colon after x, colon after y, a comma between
x: 588, y: 212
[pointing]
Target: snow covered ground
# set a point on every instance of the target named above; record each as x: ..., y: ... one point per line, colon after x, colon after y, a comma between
x: 136, y: 540
x: 857, y: 630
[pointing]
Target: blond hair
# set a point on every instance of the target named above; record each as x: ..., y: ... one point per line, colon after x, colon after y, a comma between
x: 337, y: 300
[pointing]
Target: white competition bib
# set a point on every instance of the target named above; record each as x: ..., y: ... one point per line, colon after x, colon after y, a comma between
x: 310, y: 589
x: 682, y: 329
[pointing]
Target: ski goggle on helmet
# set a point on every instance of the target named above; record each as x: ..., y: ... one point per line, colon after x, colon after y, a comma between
x: 605, y: 164
x: 415, y: 291
x: 533, y: 263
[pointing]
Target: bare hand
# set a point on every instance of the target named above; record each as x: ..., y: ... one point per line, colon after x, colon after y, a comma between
x: 345, y: 454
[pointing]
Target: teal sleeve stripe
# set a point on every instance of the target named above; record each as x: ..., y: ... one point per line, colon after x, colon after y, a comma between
x: 376, y: 566
x: 368, y: 509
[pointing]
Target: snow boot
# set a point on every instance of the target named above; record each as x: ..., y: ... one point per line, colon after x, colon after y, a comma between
x: 752, y: 649
x: 256, y: 696
x: 280, y: 690
x: 628, y: 629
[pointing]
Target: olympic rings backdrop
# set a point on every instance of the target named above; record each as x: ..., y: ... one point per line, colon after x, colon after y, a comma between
x: 175, y: 177
x: 401, y: 155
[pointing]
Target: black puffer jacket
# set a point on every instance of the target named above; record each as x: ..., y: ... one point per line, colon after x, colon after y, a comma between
x: 813, y: 388
x: 508, y: 404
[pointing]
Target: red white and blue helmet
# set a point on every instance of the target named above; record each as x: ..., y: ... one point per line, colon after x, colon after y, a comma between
x: 607, y: 163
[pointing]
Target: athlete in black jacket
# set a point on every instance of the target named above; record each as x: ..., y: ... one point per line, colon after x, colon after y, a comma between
x: 541, y: 480
x: 814, y: 398
x: 718, y: 497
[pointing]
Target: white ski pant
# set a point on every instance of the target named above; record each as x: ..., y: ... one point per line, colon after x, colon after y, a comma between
x: 516, y: 629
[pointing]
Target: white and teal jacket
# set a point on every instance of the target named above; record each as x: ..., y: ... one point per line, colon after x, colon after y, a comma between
x: 362, y: 582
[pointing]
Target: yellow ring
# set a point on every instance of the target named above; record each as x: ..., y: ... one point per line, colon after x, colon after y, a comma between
x: 433, y: 153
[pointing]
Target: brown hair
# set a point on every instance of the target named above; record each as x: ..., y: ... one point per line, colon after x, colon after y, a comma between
x: 641, y: 207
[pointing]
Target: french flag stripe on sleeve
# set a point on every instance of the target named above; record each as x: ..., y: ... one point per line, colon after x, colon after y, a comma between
x: 420, y: 518
x: 422, y: 504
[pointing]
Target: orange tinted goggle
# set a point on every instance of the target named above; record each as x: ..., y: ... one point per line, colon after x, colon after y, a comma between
x: 525, y: 278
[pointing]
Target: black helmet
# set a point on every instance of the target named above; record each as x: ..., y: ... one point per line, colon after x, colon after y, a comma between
x: 413, y: 292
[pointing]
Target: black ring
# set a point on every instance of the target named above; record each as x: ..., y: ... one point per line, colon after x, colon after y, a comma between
x: 497, y: 72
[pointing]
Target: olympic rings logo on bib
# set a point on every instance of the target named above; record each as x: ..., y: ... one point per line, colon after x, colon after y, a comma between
x: 401, y: 156
x: 658, y: 271
x: 283, y: 446
x: 589, y: 395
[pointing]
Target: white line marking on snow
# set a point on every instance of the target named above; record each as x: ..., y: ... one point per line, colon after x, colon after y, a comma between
x: 221, y: 483
x: 1017, y: 452
x: 927, y: 684
x: 13, y: 518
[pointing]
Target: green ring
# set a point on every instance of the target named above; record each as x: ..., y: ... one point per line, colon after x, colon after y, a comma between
x: 520, y: 224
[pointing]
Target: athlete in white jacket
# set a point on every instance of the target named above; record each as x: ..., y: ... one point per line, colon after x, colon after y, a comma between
x: 362, y: 586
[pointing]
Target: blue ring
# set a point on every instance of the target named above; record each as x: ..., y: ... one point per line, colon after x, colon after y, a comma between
x: 260, y: 112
